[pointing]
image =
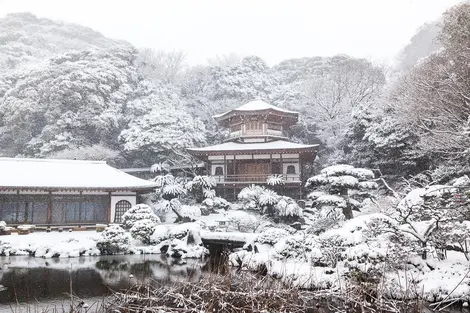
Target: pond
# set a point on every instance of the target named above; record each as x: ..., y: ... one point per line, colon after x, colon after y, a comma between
x: 27, y: 279
x: 30, y: 284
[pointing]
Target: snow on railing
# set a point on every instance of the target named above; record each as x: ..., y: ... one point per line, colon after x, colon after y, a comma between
x: 253, y: 178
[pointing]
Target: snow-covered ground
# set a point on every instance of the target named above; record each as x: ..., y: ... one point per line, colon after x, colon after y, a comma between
x: 75, y: 244
x: 47, y: 245
x: 326, y: 261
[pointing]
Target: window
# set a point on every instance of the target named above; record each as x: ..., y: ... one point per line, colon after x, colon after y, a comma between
x: 254, y: 125
x: 219, y: 171
x: 121, y: 207
x: 235, y: 128
x: 71, y: 209
x: 22, y: 209
x: 290, y: 169
x: 275, y: 127
x: 276, y: 168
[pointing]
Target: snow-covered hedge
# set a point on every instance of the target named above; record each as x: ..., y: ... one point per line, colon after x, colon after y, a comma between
x: 113, y: 240
x: 138, y: 212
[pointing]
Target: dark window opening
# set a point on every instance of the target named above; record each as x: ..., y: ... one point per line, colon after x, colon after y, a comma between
x: 219, y: 171
x: 290, y: 169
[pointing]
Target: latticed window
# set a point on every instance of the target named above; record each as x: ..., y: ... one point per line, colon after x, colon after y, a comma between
x: 121, y: 207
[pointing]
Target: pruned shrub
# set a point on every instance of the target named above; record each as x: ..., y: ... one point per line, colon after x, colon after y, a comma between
x: 142, y: 230
x: 113, y: 240
x: 138, y: 212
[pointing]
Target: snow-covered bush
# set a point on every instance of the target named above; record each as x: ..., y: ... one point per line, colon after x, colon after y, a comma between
x: 162, y: 167
x: 268, y: 202
x: 3, y: 228
x: 180, y: 241
x: 142, y: 230
x: 293, y: 247
x: 136, y: 213
x: 113, y: 240
x: 276, y: 180
x: 190, y: 211
x: 169, y: 187
x: 433, y: 215
x: 287, y: 208
x: 321, y: 223
x: 272, y: 235
x: 367, y: 242
x: 216, y: 203
x: 202, y: 187
x: 243, y: 221
x: 339, y: 189
x: 249, y: 197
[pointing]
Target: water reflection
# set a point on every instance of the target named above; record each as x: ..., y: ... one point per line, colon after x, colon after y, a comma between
x: 29, y: 279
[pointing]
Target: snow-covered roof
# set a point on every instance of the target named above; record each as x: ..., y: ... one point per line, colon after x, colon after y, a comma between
x: 66, y: 174
x: 256, y: 105
x: 258, y: 146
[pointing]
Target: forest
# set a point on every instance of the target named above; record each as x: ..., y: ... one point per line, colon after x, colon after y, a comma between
x: 387, y: 220
x: 66, y: 91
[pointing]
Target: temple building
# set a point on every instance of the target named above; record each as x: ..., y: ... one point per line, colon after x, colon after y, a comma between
x: 257, y: 147
x: 66, y: 192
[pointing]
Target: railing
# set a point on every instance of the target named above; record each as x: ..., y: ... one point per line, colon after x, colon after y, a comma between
x: 253, y: 178
x: 268, y: 132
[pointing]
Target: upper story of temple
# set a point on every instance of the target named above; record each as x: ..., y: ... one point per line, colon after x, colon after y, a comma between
x: 257, y: 121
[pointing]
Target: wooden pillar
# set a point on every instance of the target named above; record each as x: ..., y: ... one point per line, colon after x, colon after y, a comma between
x: 225, y: 167
x: 235, y: 168
x: 282, y: 164
x: 49, y: 209
x: 300, y: 176
x: 109, y: 206
x: 17, y: 205
x: 80, y: 206
x: 282, y: 172
x: 271, y: 163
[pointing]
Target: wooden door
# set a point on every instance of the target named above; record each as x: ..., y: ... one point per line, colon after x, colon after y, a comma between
x: 255, y: 172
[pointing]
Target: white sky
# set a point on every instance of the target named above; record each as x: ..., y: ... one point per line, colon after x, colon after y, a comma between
x: 274, y: 30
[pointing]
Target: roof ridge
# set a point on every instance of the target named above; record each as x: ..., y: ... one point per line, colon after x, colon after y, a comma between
x: 2, y: 159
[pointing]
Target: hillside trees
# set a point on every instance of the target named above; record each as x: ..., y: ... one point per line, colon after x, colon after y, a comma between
x: 421, y: 45
x: 26, y: 40
x: 160, y: 66
x: 433, y: 98
x: 376, y: 139
x: 326, y: 91
x: 66, y: 104
x: 163, y: 135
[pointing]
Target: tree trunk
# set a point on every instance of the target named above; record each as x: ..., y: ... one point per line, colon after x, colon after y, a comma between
x: 347, y: 211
